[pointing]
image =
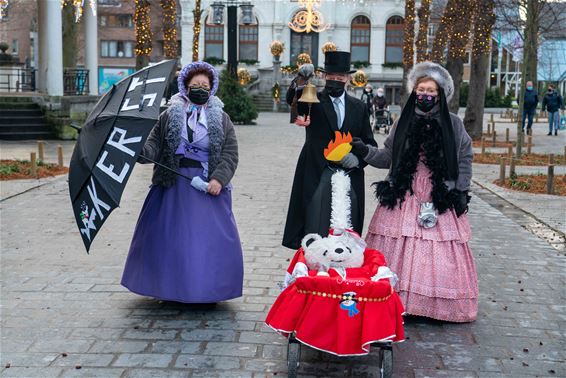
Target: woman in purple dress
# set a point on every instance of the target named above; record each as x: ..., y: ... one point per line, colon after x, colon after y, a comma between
x: 186, y: 246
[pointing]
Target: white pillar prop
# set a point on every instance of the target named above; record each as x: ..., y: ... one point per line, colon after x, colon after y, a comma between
x: 50, y: 47
x: 91, y: 50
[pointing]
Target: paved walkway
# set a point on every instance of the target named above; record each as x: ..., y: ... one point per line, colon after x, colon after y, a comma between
x: 63, y: 312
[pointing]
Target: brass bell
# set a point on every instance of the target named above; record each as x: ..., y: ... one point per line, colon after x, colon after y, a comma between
x: 309, y: 94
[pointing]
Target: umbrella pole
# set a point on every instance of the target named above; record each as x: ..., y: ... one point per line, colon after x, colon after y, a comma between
x: 166, y: 167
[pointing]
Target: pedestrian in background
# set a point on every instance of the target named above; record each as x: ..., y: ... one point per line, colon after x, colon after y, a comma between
x: 367, y: 97
x: 186, y: 246
x: 529, y: 106
x: 421, y: 225
x: 553, y: 102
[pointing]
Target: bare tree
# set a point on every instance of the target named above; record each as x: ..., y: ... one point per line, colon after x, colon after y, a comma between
x: 484, y: 19
x: 422, y: 36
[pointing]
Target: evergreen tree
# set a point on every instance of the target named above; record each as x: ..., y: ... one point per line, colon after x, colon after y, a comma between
x: 237, y: 103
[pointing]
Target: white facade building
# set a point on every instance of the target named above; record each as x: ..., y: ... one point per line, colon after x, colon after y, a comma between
x: 371, y: 29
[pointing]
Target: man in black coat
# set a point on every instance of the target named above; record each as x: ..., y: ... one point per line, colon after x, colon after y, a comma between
x: 309, y: 208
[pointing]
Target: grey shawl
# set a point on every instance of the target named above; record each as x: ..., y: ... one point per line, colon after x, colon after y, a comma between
x: 381, y: 158
x: 165, y: 138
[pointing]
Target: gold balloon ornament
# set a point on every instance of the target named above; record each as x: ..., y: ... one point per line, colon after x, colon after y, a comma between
x: 244, y: 76
x: 328, y: 46
x: 359, y: 78
x: 276, y: 48
x: 303, y: 58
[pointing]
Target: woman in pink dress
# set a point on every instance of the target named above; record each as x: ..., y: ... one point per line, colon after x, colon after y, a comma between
x: 420, y: 224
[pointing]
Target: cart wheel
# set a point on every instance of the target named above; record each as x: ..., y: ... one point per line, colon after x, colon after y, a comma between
x: 386, y: 363
x: 293, y: 357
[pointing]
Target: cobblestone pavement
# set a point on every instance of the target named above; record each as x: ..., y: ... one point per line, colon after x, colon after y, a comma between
x: 63, y: 312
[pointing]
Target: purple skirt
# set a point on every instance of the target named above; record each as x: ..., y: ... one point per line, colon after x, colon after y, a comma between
x: 186, y: 246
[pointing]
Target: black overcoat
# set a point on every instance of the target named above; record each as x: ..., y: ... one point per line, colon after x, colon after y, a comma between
x: 312, y: 163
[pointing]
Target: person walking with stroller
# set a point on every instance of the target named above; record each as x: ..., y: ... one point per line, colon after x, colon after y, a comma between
x: 309, y: 205
x: 380, y: 102
x: 186, y: 246
x: 553, y: 102
x: 529, y: 106
x: 420, y: 224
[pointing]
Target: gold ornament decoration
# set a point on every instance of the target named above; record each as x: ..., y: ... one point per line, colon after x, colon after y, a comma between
x: 77, y: 4
x: 328, y: 46
x: 303, y: 58
x: 309, y: 19
x: 244, y: 76
x: 359, y: 78
x: 276, y: 48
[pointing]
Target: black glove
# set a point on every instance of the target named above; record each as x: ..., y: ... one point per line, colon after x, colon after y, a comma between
x: 359, y: 148
x: 460, y: 200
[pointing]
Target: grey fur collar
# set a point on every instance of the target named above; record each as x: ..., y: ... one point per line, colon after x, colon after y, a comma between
x: 177, y: 119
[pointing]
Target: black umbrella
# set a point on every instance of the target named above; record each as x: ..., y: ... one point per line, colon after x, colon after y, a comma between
x: 109, y: 144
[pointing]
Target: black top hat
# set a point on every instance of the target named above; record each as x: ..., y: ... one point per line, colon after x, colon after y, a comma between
x: 337, y: 62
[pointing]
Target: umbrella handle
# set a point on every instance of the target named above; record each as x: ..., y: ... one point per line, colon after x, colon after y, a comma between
x: 166, y: 167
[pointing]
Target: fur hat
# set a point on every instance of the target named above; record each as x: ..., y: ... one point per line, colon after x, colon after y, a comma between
x: 186, y: 71
x: 436, y: 72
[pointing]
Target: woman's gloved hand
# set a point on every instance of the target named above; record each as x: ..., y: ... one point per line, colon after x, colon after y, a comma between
x: 460, y: 200
x: 359, y: 148
x: 350, y: 161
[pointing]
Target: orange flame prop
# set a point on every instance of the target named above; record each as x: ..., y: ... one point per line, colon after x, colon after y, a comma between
x: 339, y: 147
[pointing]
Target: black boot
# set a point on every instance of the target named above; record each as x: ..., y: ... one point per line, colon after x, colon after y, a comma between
x: 555, y: 132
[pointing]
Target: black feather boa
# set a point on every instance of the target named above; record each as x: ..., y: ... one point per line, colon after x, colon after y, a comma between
x: 424, y: 136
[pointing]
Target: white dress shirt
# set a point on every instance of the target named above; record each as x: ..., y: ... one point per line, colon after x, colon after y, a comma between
x: 342, y: 107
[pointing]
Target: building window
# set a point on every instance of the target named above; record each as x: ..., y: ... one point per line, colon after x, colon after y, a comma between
x: 116, y: 20
x: 360, y: 39
x: 394, y: 40
x: 15, y: 47
x: 214, y: 41
x: 116, y: 49
x: 248, y: 35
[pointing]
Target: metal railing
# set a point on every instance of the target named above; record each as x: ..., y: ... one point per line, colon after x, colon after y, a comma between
x: 75, y: 82
x: 16, y: 79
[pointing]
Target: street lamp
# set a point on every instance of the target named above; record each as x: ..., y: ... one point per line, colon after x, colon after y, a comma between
x: 247, y: 19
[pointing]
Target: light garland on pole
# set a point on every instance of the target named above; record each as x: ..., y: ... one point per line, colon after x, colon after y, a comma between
x: 460, y: 31
x: 422, y: 36
x: 409, y: 34
x: 442, y: 34
x: 484, y: 19
x: 197, y: 13
x: 143, y: 28
x: 169, y: 8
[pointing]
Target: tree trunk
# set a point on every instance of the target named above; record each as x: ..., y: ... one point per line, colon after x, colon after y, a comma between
x: 455, y: 67
x: 529, y: 66
x: 484, y: 19
x: 408, y: 46
x: 422, y: 43
x: 473, y: 120
x: 70, y: 28
x: 169, y: 27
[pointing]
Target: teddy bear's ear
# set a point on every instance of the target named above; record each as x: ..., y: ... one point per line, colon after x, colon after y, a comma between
x: 309, y: 239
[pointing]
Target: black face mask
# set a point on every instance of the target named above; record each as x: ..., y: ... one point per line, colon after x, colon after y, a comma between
x: 334, y: 88
x: 425, y: 102
x: 198, y: 96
